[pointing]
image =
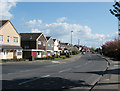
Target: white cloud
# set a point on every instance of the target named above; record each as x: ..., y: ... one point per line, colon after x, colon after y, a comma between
x: 61, y: 19
x: 5, y: 7
x: 62, y: 31
x: 33, y: 23
x: 35, y: 30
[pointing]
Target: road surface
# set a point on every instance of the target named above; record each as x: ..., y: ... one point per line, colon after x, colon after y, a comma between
x: 78, y: 74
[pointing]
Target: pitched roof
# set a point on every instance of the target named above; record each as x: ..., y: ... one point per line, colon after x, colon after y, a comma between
x: 64, y: 43
x: 29, y: 36
x: 48, y: 37
x: 54, y: 40
x: 2, y: 22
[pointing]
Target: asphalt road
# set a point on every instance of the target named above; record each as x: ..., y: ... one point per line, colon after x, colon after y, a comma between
x: 79, y: 74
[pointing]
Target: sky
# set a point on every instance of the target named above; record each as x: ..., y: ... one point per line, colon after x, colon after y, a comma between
x: 91, y: 22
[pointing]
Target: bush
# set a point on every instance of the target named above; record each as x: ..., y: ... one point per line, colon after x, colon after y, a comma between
x: 112, y: 49
x: 64, y: 57
x: 63, y: 53
x: 68, y: 56
x: 74, y: 52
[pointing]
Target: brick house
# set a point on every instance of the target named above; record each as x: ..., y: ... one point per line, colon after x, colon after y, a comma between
x: 33, y: 44
x: 50, y: 48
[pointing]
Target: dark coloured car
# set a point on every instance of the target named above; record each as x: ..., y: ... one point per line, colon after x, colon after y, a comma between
x: 93, y: 52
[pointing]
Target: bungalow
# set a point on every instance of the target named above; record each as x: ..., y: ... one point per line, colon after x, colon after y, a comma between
x: 9, y: 41
x: 56, y: 47
x: 50, y: 47
x: 33, y: 44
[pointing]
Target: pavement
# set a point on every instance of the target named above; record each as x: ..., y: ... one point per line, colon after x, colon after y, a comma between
x: 73, y: 58
x: 110, y: 80
x: 78, y: 73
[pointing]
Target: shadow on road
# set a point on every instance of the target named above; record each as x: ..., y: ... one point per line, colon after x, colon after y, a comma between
x: 47, y: 83
x: 112, y: 71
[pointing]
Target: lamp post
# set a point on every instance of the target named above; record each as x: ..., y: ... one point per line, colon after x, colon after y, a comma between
x: 116, y: 13
x: 71, y: 43
x: 78, y: 42
x: 101, y: 44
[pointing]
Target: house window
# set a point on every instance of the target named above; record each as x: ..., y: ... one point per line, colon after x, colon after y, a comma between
x: 19, y: 52
x: 1, y: 38
x: 26, y: 47
x: 43, y: 43
x: 39, y: 42
x: 48, y: 44
x: 8, y: 39
x: 6, y: 52
x: 51, y: 45
x: 15, y: 40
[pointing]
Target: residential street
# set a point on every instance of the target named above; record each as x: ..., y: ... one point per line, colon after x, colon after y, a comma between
x: 77, y: 74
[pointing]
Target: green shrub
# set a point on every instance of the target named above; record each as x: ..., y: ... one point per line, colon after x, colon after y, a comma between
x: 74, y: 52
x: 68, y: 56
x: 64, y: 57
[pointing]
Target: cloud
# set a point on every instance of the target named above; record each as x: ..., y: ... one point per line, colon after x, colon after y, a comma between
x: 33, y: 23
x: 35, y: 31
x: 61, y: 19
x: 5, y: 7
x: 62, y: 32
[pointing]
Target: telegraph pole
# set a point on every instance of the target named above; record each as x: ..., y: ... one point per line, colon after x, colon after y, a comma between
x: 71, y: 43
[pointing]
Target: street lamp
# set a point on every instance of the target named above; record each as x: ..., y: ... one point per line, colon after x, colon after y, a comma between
x: 116, y: 13
x: 71, y: 43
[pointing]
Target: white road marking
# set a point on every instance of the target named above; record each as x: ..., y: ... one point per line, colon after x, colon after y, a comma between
x: 46, y: 76
x: 65, y: 70
x: 32, y: 80
x: 28, y: 81
x: 55, y: 62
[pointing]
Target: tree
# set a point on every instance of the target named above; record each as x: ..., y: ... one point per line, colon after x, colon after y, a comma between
x: 116, y: 13
x: 116, y: 10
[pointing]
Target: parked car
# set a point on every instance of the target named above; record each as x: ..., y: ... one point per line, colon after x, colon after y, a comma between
x: 93, y: 52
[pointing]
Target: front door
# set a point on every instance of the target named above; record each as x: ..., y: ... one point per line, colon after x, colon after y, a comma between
x: 39, y: 54
x: 4, y: 54
x: 14, y: 54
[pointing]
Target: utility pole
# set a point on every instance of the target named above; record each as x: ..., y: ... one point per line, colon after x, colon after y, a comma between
x: 116, y: 13
x: 71, y: 43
